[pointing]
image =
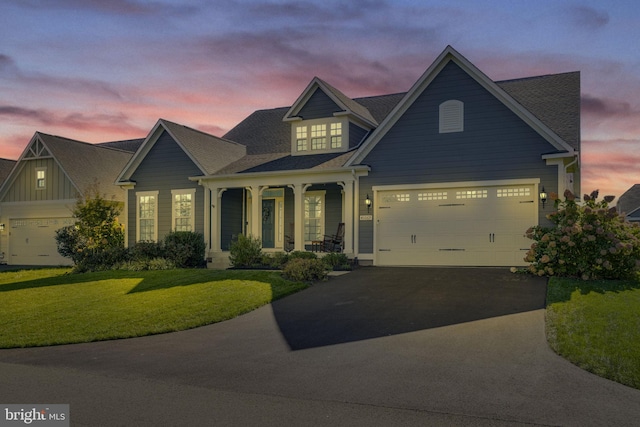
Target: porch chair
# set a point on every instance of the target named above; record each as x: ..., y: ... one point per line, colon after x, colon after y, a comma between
x: 333, y: 243
x: 289, y: 241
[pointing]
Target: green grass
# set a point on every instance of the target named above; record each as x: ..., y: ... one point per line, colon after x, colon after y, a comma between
x: 49, y: 306
x: 596, y: 325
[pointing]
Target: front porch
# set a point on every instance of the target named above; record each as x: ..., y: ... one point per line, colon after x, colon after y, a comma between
x: 288, y: 211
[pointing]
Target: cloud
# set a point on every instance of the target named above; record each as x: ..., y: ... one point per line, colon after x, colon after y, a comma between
x: 30, y: 115
x: 117, y: 7
x: 603, y: 107
x: 588, y: 18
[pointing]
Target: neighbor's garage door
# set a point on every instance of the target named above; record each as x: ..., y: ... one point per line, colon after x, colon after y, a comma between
x: 474, y: 226
x: 32, y: 241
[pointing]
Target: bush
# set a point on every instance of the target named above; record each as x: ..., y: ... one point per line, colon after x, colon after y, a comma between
x: 146, y: 250
x: 302, y: 255
x: 305, y: 270
x: 185, y: 249
x: 275, y: 260
x: 336, y: 261
x: 245, y: 251
x: 146, y: 264
x: 592, y: 241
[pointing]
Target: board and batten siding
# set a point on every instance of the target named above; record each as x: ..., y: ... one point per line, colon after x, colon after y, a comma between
x: 166, y: 167
x: 58, y: 185
x: 495, y: 145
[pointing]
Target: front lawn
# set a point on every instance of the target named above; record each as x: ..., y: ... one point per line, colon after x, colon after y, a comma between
x: 596, y: 325
x: 49, y: 306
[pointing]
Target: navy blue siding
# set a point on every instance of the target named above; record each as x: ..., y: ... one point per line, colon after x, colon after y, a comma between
x: 356, y: 133
x: 319, y: 106
x: 494, y: 145
x: 164, y: 168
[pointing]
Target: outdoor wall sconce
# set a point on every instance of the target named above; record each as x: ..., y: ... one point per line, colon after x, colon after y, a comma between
x: 367, y: 202
x: 543, y: 197
x: 2, y: 227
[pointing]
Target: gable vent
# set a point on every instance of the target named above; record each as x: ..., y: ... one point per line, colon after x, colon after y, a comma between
x: 451, y: 116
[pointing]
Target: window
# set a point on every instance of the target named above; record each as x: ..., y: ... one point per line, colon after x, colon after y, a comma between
x: 313, y: 215
x: 41, y: 178
x: 183, y: 209
x: 336, y: 135
x: 451, y: 116
x: 301, y: 138
x: 147, y: 216
x: 319, y: 135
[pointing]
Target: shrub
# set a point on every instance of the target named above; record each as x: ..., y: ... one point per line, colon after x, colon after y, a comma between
x: 592, y: 241
x: 336, y: 261
x: 145, y: 264
x: 302, y: 255
x: 185, y: 249
x: 245, y: 251
x: 146, y: 250
x: 96, y: 229
x: 305, y: 270
x: 274, y: 260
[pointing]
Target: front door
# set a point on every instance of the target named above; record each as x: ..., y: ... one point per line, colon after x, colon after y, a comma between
x: 268, y: 223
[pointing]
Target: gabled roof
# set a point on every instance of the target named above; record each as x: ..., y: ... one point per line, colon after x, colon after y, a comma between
x: 348, y: 105
x: 629, y: 202
x: 84, y: 164
x: 209, y: 153
x: 554, y: 99
x: 451, y: 55
x: 130, y: 145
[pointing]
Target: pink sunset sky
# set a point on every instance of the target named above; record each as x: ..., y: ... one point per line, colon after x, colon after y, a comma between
x: 97, y: 71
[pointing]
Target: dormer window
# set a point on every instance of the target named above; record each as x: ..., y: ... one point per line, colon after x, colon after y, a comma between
x: 301, y: 138
x: 319, y: 135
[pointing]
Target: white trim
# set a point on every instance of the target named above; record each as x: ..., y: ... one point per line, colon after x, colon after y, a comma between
x: 175, y: 192
x: 327, y: 122
x: 323, y: 212
x: 155, y: 219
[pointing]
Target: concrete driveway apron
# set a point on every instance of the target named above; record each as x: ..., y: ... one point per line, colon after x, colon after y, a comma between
x: 378, y: 346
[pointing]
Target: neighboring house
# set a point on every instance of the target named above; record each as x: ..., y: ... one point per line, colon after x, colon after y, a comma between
x: 448, y: 173
x: 39, y: 193
x: 629, y: 203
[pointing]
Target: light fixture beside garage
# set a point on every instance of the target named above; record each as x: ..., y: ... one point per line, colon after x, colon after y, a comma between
x: 367, y: 202
x: 543, y: 197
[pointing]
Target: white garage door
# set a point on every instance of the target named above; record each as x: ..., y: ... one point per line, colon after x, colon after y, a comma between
x: 32, y: 241
x: 472, y: 226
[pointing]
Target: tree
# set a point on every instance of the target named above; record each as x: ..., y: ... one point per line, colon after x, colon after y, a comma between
x: 591, y: 241
x: 96, y: 229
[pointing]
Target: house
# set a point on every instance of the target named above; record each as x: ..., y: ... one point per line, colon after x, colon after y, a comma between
x: 448, y: 173
x: 38, y: 194
x: 629, y: 203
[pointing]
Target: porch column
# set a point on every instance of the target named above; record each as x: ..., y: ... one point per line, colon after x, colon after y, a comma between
x: 255, y: 228
x: 298, y: 215
x: 348, y: 216
x: 216, y: 226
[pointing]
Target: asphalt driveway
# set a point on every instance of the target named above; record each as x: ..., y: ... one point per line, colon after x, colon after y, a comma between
x: 378, y: 346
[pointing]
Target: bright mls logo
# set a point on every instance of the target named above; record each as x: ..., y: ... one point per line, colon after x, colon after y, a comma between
x: 37, y: 415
